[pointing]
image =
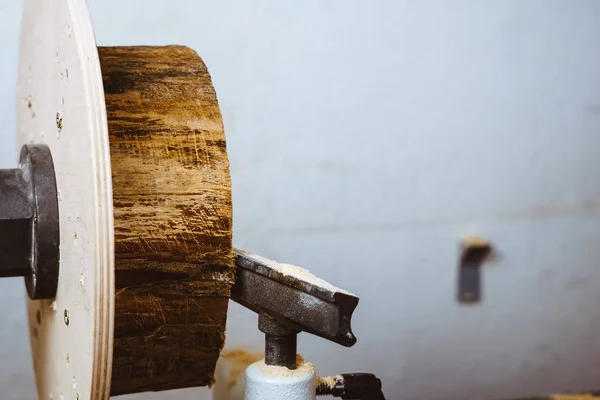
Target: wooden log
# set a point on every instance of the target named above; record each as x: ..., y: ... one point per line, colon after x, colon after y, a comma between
x: 173, y: 218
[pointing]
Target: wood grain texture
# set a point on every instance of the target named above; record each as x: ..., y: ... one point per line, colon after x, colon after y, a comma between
x: 172, y: 206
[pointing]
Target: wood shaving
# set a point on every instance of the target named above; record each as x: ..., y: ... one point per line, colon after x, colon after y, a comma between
x: 574, y: 397
x: 328, y: 382
x: 239, y: 360
x: 303, y: 368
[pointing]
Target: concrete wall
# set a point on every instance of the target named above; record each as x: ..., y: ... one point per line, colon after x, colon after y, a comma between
x: 365, y: 139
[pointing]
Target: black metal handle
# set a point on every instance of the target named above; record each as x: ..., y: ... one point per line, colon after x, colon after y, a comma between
x: 355, y: 386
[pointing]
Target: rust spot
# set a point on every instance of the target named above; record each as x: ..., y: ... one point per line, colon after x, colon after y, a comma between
x: 59, y: 121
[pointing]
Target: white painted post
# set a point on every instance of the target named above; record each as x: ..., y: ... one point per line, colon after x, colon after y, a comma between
x: 275, y: 383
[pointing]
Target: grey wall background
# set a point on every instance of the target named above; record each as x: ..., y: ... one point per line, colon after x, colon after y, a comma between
x: 365, y: 139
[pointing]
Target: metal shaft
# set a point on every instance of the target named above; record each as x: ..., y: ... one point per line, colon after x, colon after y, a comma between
x: 280, y: 342
x: 281, y: 350
x: 16, y: 222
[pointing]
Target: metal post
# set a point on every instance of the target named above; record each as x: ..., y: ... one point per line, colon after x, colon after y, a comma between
x: 280, y: 342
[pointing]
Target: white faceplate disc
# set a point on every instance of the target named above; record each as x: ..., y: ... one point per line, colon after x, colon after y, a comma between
x: 61, y: 104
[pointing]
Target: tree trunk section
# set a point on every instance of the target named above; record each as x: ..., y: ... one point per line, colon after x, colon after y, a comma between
x: 172, y: 206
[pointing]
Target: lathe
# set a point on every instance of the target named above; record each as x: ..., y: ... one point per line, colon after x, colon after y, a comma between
x: 119, y: 217
x: 119, y: 214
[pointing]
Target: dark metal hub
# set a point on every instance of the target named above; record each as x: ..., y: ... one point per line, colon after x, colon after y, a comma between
x: 29, y: 224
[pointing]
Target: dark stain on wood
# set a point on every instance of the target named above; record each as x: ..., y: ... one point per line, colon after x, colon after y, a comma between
x: 172, y: 204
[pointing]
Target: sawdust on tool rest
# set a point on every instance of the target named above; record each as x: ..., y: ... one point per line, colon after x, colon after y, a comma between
x: 303, y: 368
x: 573, y: 397
x: 296, y: 272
